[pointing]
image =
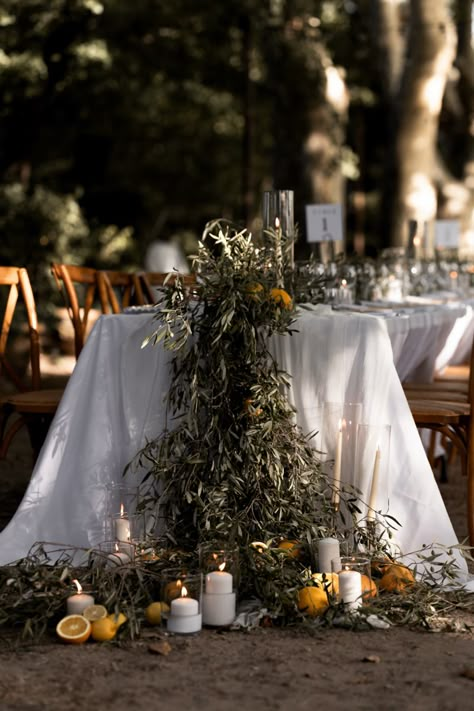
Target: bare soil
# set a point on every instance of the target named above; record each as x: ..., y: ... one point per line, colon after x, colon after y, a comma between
x: 218, y: 671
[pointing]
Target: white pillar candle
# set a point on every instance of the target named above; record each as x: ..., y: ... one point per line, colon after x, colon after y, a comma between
x: 350, y: 588
x: 76, y: 604
x: 337, y: 467
x: 328, y: 550
x: 218, y: 602
x: 219, y: 582
x: 374, y: 487
x: 122, y: 528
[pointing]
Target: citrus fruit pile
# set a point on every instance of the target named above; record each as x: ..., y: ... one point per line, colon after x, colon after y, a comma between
x: 95, y: 622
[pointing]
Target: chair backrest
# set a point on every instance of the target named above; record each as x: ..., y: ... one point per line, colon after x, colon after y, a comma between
x: 116, y: 290
x: 145, y: 284
x: 82, y: 290
x: 15, y: 283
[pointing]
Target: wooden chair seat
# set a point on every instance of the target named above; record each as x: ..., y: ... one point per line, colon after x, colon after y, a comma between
x: 453, y: 373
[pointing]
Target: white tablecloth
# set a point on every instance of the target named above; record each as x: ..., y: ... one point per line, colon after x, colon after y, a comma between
x: 114, y: 402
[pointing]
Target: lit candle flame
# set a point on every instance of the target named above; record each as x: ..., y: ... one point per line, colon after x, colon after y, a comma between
x: 184, y: 591
x: 116, y: 548
x: 78, y: 586
x: 122, y: 511
x: 277, y: 222
x: 222, y: 566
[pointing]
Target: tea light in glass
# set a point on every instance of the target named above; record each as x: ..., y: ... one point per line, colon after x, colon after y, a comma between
x: 184, y: 615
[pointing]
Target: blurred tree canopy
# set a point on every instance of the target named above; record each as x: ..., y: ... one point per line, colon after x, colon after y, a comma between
x: 122, y: 123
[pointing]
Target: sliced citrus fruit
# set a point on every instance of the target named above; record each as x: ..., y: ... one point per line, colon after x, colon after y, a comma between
x: 104, y: 630
x: 94, y: 612
x: 74, y: 629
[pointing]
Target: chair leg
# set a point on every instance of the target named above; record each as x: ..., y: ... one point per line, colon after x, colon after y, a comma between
x: 38, y: 426
x: 470, y: 484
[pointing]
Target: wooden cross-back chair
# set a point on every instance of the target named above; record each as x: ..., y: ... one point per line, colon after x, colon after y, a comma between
x: 146, y: 283
x: 117, y: 290
x: 448, y: 408
x: 83, y: 290
x: 28, y: 404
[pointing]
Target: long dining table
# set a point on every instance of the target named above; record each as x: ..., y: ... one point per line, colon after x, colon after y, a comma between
x: 115, y: 402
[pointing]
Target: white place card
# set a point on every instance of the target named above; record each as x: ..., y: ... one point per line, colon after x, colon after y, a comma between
x: 446, y: 234
x: 324, y: 223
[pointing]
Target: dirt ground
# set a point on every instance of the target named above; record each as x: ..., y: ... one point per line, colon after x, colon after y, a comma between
x: 220, y: 671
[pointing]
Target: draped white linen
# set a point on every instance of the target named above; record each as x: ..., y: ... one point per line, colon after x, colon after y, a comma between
x: 114, y: 402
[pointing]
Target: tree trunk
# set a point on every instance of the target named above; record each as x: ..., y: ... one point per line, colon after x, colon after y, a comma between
x: 430, y: 55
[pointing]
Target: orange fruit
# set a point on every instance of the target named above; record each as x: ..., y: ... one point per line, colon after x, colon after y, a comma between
x: 254, y: 291
x: 312, y: 601
x: 104, y: 630
x: 369, y: 588
x: 154, y: 611
x: 173, y: 590
x: 281, y: 298
x: 396, y: 578
x: 74, y: 629
x: 330, y: 582
x: 294, y: 549
x: 94, y: 612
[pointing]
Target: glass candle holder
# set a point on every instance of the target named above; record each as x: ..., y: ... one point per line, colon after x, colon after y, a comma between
x: 220, y: 567
x: 338, y: 442
x: 372, y: 459
x: 355, y: 580
x: 279, y: 231
x: 114, y: 554
x: 181, y: 598
x: 121, y: 498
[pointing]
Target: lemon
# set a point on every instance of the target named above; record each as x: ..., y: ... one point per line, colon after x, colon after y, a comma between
x: 312, y: 601
x: 103, y: 630
x: 154, y: 611
x: 74, y: 629
x: 118, y: 618
x: 94, y: 612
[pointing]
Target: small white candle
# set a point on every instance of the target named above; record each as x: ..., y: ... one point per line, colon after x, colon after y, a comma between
x: 350, y: 588
x: 117, y: 558
x: 76, y: 604
x: 184, y: 617
x: 328, y: 550
x: 122, y: 526
x: 374, y: 487
x: 337, y: 467
x: 184, y: 606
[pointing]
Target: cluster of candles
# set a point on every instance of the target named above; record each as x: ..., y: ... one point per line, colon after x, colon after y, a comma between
x: 350, y: 580
x: 218, y: 604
